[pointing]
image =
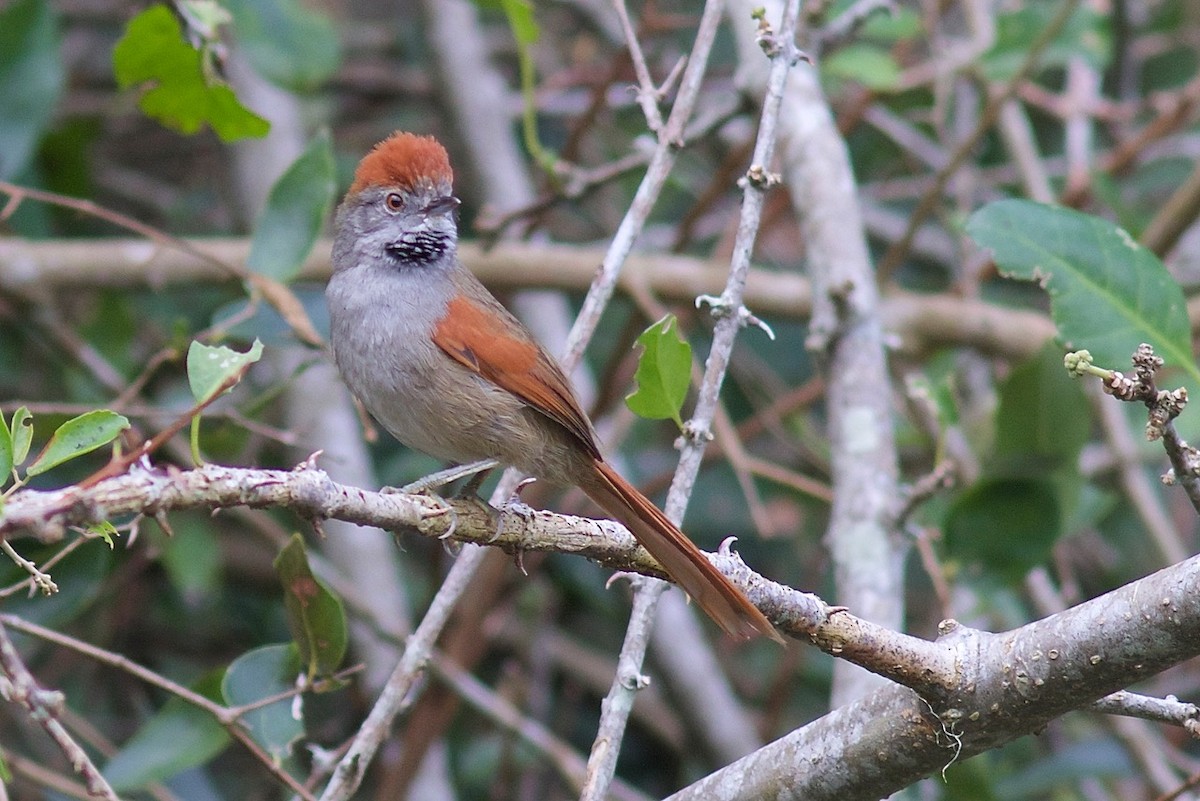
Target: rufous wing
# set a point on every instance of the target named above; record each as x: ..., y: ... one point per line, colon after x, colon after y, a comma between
x: 489, y: 341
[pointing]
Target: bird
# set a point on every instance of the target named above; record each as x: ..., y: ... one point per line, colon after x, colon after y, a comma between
x: 446, y: 369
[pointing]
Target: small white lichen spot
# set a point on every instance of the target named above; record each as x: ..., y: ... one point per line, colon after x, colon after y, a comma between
x: 1127, y: 240
x: 859, y: 431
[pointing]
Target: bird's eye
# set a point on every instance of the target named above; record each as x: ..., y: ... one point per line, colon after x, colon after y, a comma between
x: 394, y: 202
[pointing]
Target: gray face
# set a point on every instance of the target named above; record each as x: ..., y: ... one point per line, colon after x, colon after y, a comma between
x: 382, y: 225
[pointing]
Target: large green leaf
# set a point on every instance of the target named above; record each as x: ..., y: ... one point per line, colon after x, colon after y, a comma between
x: 77, y: 436
x: 1004, y: 526
x: 178, y: 91
x: 259, y: 674
x: 1043, y: 419
x: 288, y: 43
x: 177, y: 737
x: 1107, y: 293
x: 31, y: 80
x: 296, y: 210
x: 664, y: 373
x: 315, y: 615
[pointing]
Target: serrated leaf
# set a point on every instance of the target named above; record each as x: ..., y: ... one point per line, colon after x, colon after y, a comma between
x: 296, y: 209
x: 1107, y: 293
x: 663, y: 374
x: 216, y: 369
x: 31, y: 80
x: 315, y: 615
x: 258, y: 674
x: 77, y: 436
x: 21, y: 431
x: 288, y: 43
x: 177, y: 737
x: 177, y: 91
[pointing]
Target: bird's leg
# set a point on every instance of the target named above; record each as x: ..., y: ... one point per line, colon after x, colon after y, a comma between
x: 478, y: 471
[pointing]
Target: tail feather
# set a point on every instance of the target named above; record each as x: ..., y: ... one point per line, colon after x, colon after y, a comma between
x: 684, y: 562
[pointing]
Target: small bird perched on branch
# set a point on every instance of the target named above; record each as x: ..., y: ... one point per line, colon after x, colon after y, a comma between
x: 449, y: 371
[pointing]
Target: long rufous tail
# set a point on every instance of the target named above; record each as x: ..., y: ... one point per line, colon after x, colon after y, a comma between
x: 683, y: 561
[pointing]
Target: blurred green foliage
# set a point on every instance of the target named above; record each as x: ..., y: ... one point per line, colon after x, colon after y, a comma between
x: 198, y: 599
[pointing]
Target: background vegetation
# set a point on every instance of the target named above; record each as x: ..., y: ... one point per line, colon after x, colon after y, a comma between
x: 916, y: 456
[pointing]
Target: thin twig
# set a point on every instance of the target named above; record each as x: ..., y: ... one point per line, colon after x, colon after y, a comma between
x: 987, y: 118
x: 1162, y: 710
x: 732, y: 316
x: 223, y: 715
x: 19, y: 686
x: 569, y: 764
x: 396, y: 693
x: 647, y: 92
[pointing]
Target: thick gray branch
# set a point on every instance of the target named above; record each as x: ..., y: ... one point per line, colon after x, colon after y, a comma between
x: 1009, y: 685
x: 917, y: 321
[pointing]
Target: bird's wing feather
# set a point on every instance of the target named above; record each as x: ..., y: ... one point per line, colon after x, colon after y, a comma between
x: 499, y: 349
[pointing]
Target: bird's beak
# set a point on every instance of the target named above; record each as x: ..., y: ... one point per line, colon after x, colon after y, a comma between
x: 442, y: 205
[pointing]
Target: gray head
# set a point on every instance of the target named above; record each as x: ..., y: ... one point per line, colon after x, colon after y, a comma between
x: 400, y: 209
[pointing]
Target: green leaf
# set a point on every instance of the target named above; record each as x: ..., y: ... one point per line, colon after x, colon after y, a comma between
x: 663, y: 374
x: 31, y: 80
x: 1043, y: 419
x: 867, y: 64
x: 215, y: 369
x: 892, y: 25
x: 1107, y: 293
x: 77, y: 436
x: 21, y: 431
x: 296, y: 209
x: 104, y: 530
x: 520, y: 19
x: 258, y: 674
x: 191, y: 555
x: 6, y: 452
x: 1087, y: 34
x: 178, y: 93
x: 287, y: 43
x: 1004, y: 526
x: 177, y: 737
x: 315, y: 615
x: 519, y: 14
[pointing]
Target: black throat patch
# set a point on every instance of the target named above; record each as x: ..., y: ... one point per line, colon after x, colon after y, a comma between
x: 419, y: 248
